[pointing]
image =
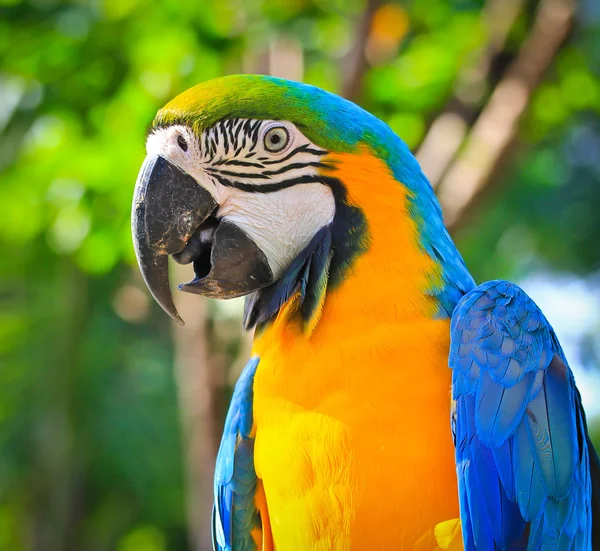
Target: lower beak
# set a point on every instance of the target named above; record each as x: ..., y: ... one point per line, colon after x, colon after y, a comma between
x: 173, y: 214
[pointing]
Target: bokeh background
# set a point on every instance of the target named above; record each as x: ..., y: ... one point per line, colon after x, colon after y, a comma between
x: 109, y: 416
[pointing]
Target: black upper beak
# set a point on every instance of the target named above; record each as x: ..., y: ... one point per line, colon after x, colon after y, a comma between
x: 168, y: 207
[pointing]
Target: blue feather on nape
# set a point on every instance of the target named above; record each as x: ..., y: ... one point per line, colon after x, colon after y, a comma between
x: 522, y: 449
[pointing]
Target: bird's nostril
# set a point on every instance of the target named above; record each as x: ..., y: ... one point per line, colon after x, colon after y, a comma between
x: 182, y: 142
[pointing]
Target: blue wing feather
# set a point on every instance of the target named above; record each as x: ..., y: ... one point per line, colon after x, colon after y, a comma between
x: 522, y: 451
x: 235, y: 513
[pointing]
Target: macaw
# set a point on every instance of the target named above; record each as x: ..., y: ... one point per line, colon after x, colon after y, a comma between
x: 390, y: 402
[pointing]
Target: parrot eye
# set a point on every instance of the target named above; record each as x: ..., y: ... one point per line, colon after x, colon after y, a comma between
x: 276, y: 139
x: 181, y: 142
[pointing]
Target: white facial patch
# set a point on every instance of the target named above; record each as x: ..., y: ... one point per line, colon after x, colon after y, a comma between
x: 283, y: 222
x: 262, y: 174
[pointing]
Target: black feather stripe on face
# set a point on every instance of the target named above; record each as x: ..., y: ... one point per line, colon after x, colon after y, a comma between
x: 230, y: 144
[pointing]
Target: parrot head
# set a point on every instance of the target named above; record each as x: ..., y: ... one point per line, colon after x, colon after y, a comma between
x: 242, y: 180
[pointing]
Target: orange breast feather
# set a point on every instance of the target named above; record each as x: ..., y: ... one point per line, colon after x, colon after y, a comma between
x: 353, y: 441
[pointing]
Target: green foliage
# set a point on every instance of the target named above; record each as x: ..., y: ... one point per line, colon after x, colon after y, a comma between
x: 90, y: 444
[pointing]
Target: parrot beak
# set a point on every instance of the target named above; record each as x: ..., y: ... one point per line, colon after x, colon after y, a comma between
x: 173, y: 214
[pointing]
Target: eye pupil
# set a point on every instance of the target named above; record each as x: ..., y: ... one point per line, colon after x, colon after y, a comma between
x: 276, y: 139
x: 182, y: 143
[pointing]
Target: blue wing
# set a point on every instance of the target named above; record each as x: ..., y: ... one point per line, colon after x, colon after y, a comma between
x: 235, y: 514
x: 522, y: 451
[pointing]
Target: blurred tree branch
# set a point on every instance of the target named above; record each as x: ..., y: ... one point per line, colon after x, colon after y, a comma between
x: 448, y: 130
x: 495, y: 129
x: 355, y: 63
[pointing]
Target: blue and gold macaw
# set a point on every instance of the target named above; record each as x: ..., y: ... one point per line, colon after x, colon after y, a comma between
x: 347, y: 430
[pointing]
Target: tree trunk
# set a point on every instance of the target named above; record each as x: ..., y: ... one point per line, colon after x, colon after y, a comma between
x: 198, y: 392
